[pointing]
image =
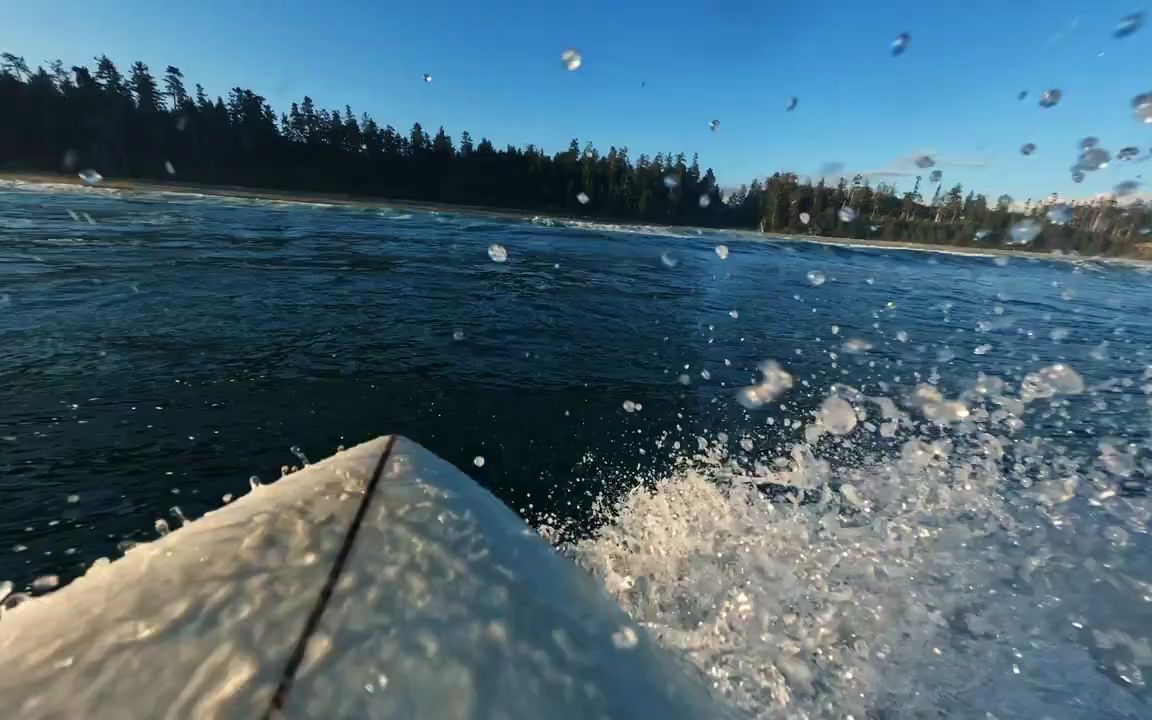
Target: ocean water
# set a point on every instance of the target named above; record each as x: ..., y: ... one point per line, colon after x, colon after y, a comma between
x: 934, y: 504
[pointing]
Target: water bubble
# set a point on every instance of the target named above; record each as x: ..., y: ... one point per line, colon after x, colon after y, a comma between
x: 837, y: 416
x: 428, y: 78
x: 846, y: 214
x: 684, y: 379
x: 792, y: 104
x: 90, y: 177
x: 1142, y: 106
x: 169, y: 167
x: 457, y: 335
x: 1059, y: 214
x: 855, y: 346
x: 747, y: 444
x: 705, y: 200
x: 722, y: 251
x: 629, y: 406
x: 583, y: 198
x: 902, y: 336
x: 162, y: 527
x: 73, y: 498
x: 46, y: 582
x: 705, y: 374
x: 1127, y: 153
x: 254, y: 481
x: 873, y: 228
x: 816, y: 278
x: 713, y: 124
x: 671, y: 181
x: 1128, y: 25
x: 982, y: 350
x: 478, y: 461
x: 1024, y: 232
x: 669, y: 260
x: 1126, y: 188
x: 981, y: 234
x: 924, y: 161
x: 497, y: 253
x: 936, y: 176
x: 734, y: 314
x: 1094, y: 158
x: 1058, y: 379
x: 1028, y: 148
x: 572, y: 59
x: 295, y: 450
x: 900, y: 44
x: 1089, y: 142
x: 1049, y: 98
x: 805, y: 217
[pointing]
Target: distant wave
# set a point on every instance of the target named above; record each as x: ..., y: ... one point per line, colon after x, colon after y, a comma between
x: 657, y: 230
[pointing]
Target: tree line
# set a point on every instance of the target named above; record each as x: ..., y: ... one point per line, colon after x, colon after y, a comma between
x: 134, y: 125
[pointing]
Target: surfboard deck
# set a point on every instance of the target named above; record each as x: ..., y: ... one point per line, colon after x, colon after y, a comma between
x: 379, y: 583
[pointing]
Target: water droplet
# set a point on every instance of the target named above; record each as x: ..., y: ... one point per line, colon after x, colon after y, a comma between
x: 1028, y: 148
x: 458, y: 335
x: 805, y: 217
x: 73, y: 498
x: 846, y: 214
x: 837, y: 416
x: 625, y: 638
x: 254, y: 481
x: 722, y: 251
x: 1022, y: 94
x: 497, y: 253
x: 1128, y: 25
x: 924, y: 162
x: 90, y: 177
x: 671, y: 181
x: 982, y: 350
x: 1127, y: 153
x: 1077, y: 176
x: 734, y: 314
x: 705, y: 374
x: 936, y: 176
x: 1024, y: 232
x: 1142, y: 106
x: 572, y: 59
x: 775, y: 382
x: 226, y: 498
x: 981, y: 234
x: 1089, y: 142
x: 792, y: 104
x: 162, y: 527
x: 669, y: 260
x: 428, y: 78
x: 5, y: 590
x: 713, y: 124
x: 1126, y: 188
x: 1049, y: 98
x: 169, y: 167
x: 583, y: 198
x: 705, y: 201
x: 1059, y: 214
x: 902, y: 336
x: 46, y: 582
x: 900, y: 44
x: 856, y: 345
x: 478, y: 461
x: 1094, y: 158
x: 816, y: 278
x: 629, y: 406
x: 684, y: 379
x: 295, y: 450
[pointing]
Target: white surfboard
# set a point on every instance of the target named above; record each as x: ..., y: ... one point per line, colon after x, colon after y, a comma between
x: 379, y: 583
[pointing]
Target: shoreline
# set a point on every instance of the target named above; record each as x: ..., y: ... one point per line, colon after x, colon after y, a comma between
x: 303, y: 197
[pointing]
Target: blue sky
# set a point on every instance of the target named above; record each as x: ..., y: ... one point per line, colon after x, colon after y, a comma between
x: 497, y: 73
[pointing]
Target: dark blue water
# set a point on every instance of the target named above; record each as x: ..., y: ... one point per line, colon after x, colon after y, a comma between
x: 157, y: 351
x: 170, y: 348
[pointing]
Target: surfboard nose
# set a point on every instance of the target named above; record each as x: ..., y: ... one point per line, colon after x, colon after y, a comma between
x: 381, y: 582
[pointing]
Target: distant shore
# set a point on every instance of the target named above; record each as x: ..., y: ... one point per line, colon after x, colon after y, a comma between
x: 248, y: 193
